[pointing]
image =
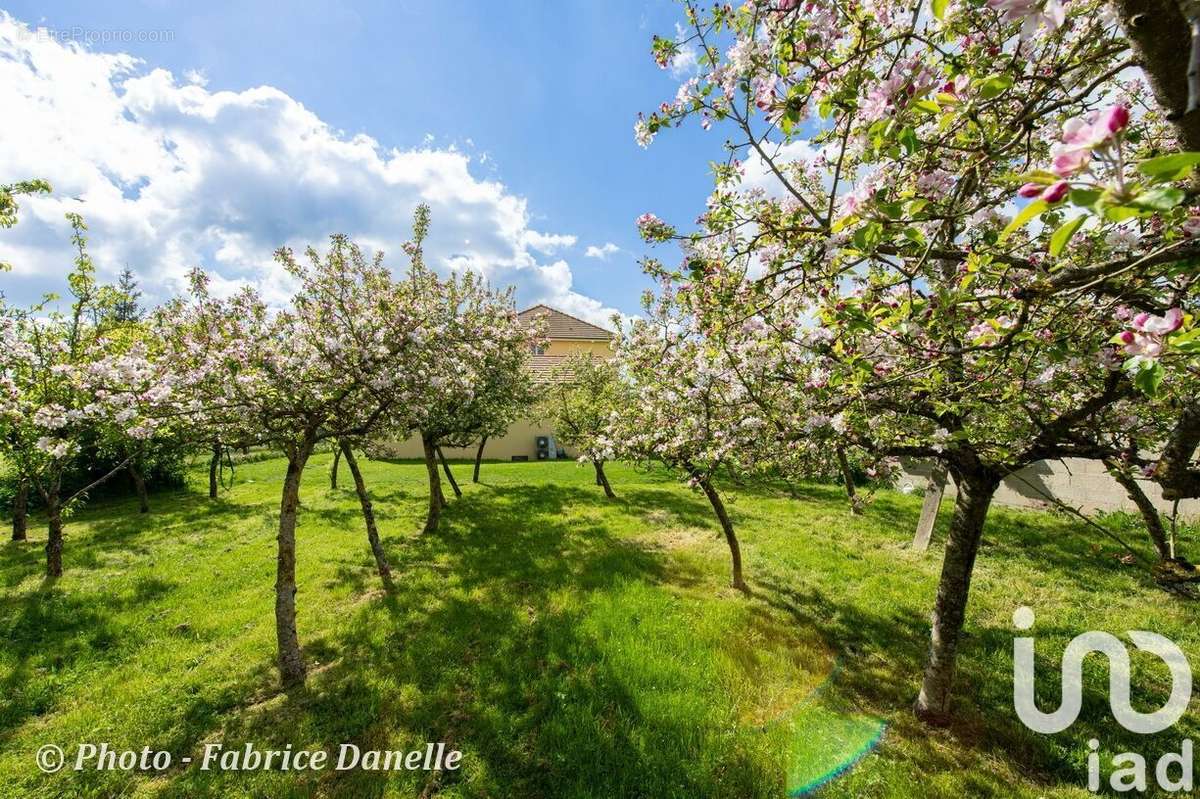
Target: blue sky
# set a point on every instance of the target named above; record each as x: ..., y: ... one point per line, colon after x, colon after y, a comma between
x: 540, y: 95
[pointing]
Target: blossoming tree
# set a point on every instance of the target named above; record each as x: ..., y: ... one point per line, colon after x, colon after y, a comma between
x: 695, y: 405
x: 579, y: 399
x: 937, y: 210
x: 475, y: 344
x: 329, y: 367
x: 67, y: 377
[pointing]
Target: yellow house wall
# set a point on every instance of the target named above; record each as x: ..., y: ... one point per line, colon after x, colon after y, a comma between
x: 569, y: 347
x: 521, y: 439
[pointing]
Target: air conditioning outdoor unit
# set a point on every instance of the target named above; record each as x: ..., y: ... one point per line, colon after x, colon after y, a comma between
x: 547, y: 450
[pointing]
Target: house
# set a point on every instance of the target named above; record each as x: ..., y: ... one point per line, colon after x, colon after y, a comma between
x: 565, y: 336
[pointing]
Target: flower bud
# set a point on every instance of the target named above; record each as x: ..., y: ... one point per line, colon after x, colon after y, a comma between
x: 1114, y: 119
x: 1056, y: 192
x: 1030, y: 190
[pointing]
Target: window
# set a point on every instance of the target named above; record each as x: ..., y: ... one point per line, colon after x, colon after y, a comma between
x: 538, y: 349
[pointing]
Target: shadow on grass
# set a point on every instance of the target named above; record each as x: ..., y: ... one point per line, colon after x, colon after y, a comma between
x: 484, y: 647
x: 488, y: 645
x: 885, y: 652
x: 48, y: 630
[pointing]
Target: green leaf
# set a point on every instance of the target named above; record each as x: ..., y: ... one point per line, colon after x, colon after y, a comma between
x: 914, y: 235
x: 994, y: 86
x: 1119, y: 213
x: 917, y: 206
x: 893, y: 210
x: 909, y: 139
x: 1084, y: 198
x: 1189, y: 347
x: 1163, y: 198
x: 1064, y: 234
x: 1039, y: 176
x: 939, y: 8
x: 1169, y: 167
x: 928, y: 106
x: 1186, y: 341
x: 867, y: 236
x: 1149, y: 377
x: 841, y: 224
x: 1027, y: 213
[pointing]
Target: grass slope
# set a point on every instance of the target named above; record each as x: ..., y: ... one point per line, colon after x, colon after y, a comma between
x: 569, y: 645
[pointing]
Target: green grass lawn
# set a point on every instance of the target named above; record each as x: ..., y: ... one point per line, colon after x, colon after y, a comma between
x: 568, y: 645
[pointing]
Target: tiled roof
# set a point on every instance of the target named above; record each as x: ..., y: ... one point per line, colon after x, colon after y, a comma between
x: 564, y: 326
x: 543, y: 367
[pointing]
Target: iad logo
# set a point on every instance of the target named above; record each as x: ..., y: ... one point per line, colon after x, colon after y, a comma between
x: 1118, y: 679
x: 1130, y: 767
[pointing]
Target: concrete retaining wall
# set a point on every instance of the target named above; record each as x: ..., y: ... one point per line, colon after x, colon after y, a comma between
x: 1082, y: 484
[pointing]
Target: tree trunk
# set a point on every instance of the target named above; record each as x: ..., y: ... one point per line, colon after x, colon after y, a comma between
x: 1161, y: 40
x: 436, y: 500
x: 602, y: 479
x: 333, y: 470
x: 291, y: 662
x: 735, y: 551
x: 360, y: 487
x: 214, y: 467
x: 139, y: 483
x: 449, y: 474
x: 54, y: 539
x: 1158, y: 535
x: 975, y: 491
x: 1173, y: 471
x: 848, y: 479
x: 20, y: 511
x: 478, y: 458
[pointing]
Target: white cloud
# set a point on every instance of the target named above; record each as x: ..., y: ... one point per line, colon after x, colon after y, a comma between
x: 196, y: 76
x: 548, y: 243
x: 686, y: 62
x: 756, y: 172
x: 602, y: 252
x: 170, y: 174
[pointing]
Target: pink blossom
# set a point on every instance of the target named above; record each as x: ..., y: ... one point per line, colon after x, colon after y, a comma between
x: 1139, y: 345
x: 1096, y: 129
x: 1123, y: 238
x: 1068, y: 161
x: 1113, y: 119
x: 1080, y: 136
x: 764, y: 93
x: 1146, y: 339
x: 1163, y: 325
x: 1056, y: 192
x: 1030, y: 190
x: 652, y: 228
x: 641, y: 133
x: 935, y: 184
x: 1031, y: 14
